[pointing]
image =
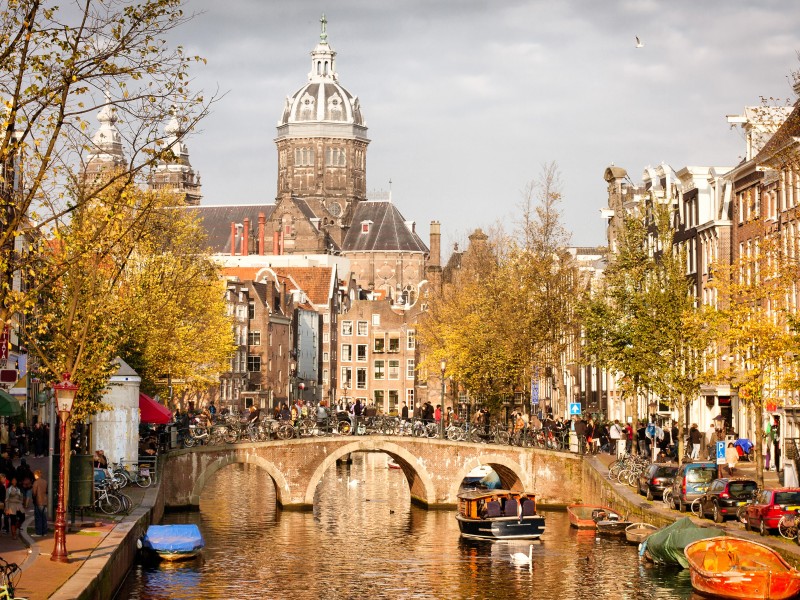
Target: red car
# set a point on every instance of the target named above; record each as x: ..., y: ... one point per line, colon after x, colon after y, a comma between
x: 768, y: 508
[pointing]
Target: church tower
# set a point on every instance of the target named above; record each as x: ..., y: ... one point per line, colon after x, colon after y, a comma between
x: 176, y: 174
x: 106, y: 152
x: 322, y: 152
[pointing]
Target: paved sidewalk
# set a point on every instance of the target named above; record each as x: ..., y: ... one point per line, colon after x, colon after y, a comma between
x: 41, y: 577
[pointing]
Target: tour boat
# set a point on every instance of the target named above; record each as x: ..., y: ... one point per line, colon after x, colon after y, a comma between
x: 727, y: 567
x: 636, y: 533
x: 173, y: 542
x: 498, y: 515
x: 585, y: 516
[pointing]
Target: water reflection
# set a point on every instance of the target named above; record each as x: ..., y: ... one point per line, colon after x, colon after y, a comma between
x: 368, y: 540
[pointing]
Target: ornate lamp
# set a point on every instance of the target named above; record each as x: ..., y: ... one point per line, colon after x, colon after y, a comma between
x: 65, y: 392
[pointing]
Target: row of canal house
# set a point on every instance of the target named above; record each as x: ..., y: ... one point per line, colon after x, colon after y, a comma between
x: 720, y: 214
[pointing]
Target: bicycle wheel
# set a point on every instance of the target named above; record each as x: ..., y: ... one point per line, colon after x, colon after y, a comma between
x: 697, y: 507
x: 344, y: 427
x: 127, y: 503
x: 740, y: 514
x: 144, y: 481
x: 787, y: 527
x: 189, y: 441
x: 502, y: 437
x: 666, y: 498
x: 109, y: 504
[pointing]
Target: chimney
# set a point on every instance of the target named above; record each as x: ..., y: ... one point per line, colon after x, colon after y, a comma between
x: 435, y: 259
x: 261, y: 226
x: 246, y: 237
x: 233, y: 238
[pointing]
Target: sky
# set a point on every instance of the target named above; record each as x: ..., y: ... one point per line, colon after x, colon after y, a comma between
x: 466, y: 100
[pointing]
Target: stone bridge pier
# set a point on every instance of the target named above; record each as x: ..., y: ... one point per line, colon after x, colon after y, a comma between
x: 433, y: 468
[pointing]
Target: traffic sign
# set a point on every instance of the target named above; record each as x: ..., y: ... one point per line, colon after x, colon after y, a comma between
x: 720, y: 453
x: 574, y: 408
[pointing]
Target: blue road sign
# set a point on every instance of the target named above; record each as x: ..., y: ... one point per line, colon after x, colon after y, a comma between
x: 534, y: 392
x: 574, y: 408
x: 720, y: 453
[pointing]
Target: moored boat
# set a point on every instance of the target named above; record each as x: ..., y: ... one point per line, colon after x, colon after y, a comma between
x: 585, y: 516
x: 498, y: 515
x: 738, y: 569
x: 392, y: 465
x: 612, y: 526
x: 636, y: 533
x: 666, y: 545
x: 173, y: 542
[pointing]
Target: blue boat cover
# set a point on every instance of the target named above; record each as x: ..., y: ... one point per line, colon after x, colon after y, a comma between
x: 173, y: 538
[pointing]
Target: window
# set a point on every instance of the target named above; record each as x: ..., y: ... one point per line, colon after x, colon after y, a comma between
x: 325, y: 338
x: 347, y: 328
x: 394, y: 369
x: 361, y: 378
x: 379, y: 369
x: 251, y: 310
x: 411, y: 339
x: 365, y: 226
x: 379, y: 395
x: 376, y: 320
x: 254, y: 364
x: 326, y: 318
x: 362, y: 328
x: 347, y: 352
x: 394, y: 345
x: 254, y: 338
x: 410, y: 367
x: 394, y: 400
x: 325, y: 357
x: 361, y: 353
x: 324, y: 375
x: 410, y: 398
x: 379, y: 345
x: 347, y: 377
x: 304, y: 157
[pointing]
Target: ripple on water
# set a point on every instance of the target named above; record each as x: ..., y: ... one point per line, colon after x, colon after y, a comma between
x: 368, y: 541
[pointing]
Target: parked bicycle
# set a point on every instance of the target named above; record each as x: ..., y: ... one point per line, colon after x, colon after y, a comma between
x: 132, y: 473
x: 10, y: 573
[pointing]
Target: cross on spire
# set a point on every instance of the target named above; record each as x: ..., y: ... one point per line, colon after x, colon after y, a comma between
x: 323, y: 36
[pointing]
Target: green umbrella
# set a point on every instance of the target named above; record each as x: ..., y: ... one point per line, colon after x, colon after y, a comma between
x: 9, y: 406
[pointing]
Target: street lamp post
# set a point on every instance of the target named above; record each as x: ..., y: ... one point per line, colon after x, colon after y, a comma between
x: 65, y: 395
x: 443, y: 365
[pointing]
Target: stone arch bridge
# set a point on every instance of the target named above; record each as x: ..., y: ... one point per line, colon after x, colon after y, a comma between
x: 433, y: 468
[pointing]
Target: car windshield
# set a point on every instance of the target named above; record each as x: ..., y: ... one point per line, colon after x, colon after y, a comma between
x: 666, y: 472
x: 787, y: 498
x: 742, y: 488
x: 704, y: 475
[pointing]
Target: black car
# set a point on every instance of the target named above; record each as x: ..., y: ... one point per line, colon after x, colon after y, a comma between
x: 655, y: 478
x: 725, y: 496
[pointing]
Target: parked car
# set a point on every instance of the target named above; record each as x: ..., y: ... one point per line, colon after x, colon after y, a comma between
x: 769, y: 507
x: 655, y: 478
x: 692, y: 481
x: 725, y: 496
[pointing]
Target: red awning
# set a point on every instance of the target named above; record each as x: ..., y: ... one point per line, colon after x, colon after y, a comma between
x: 153, y: 412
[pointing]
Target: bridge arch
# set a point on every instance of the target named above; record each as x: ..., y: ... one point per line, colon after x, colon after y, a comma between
x: 282, y: 491
x: 512, y: 475
x: 420, y: 483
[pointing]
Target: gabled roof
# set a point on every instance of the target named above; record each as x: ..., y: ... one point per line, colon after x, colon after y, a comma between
x: 387, y: 231
x: 217, y: 221
x: 316, y: 282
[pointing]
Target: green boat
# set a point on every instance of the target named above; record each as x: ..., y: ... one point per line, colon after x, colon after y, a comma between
x: 666, y: 545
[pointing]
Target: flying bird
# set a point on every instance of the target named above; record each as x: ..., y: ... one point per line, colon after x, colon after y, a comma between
x: 639, y: 43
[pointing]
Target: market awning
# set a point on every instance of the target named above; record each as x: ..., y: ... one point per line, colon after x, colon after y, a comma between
x: 153, y: 412
x: 9, y: 406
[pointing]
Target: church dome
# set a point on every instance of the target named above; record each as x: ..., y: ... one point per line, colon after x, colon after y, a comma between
x: 322, y: 99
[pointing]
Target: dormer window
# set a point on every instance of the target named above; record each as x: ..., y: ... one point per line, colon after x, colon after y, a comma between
x: 365, y: 225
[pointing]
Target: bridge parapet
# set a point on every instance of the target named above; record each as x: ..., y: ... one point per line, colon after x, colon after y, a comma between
x: 434, y: 468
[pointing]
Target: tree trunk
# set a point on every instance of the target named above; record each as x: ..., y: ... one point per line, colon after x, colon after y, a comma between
x: 681, y: 426
x: 759, y: 441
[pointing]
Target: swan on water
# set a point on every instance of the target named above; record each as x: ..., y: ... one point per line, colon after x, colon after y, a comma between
x: 523, y: 559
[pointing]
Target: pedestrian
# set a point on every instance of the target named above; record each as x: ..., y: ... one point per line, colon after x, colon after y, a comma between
x: 39, y: 504
x: 404, y: 412
x: 14, y: 507
x: 694, y: 439
x: 731, y: 457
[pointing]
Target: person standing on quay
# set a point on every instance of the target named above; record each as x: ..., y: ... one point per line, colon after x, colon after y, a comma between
x: 694, y: 439
x: 39, y: 504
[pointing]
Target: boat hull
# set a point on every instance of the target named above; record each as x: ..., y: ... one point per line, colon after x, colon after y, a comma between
x: 177, y: 556
x: 612, y: 527
x: 172, y: 542
x: 740, y: 570
x: 639, y: 532
x: 580, y: 515
x: 502, y: 528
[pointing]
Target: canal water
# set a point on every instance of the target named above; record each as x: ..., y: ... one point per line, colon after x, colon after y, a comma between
x: 366, y: 540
